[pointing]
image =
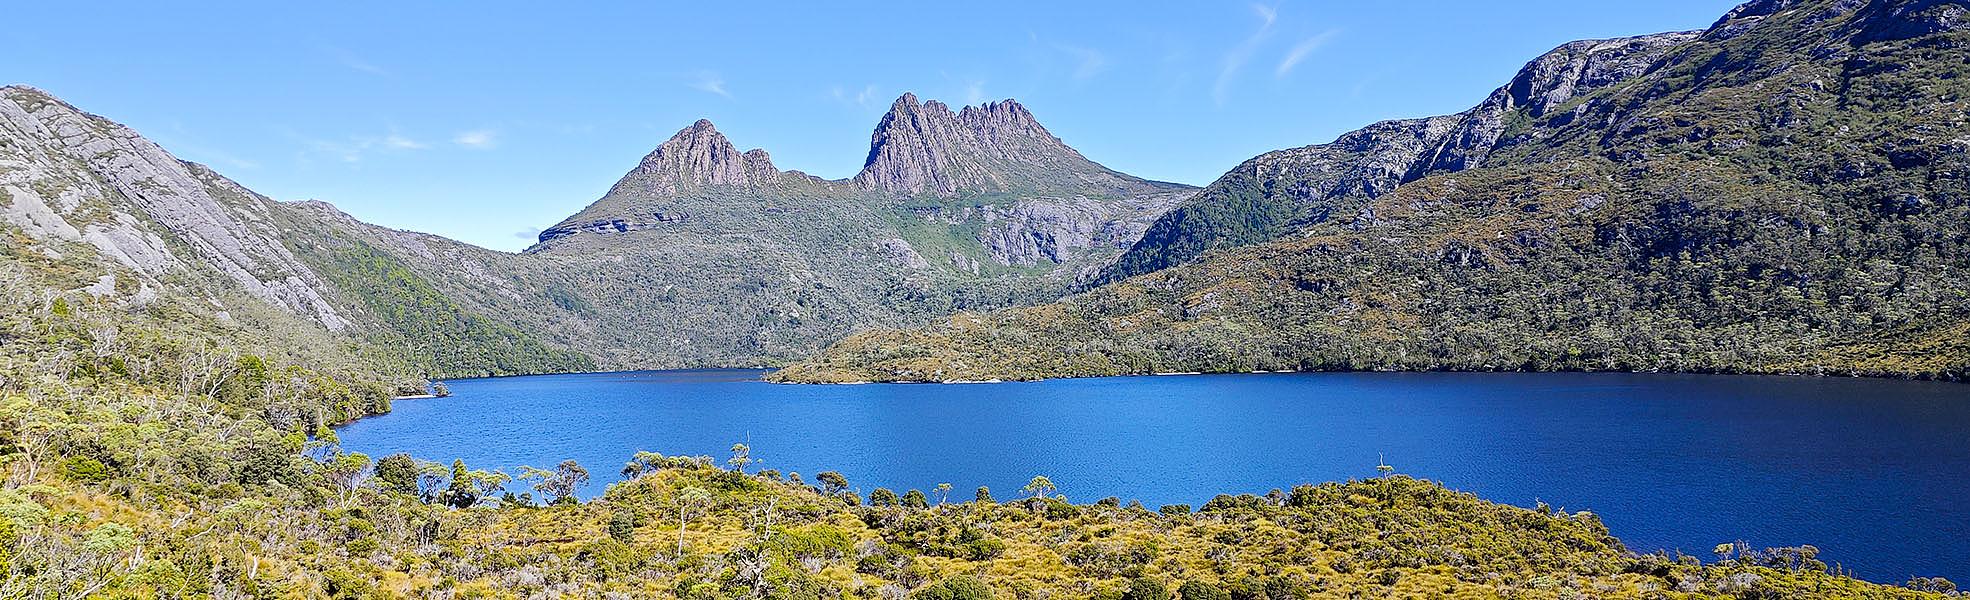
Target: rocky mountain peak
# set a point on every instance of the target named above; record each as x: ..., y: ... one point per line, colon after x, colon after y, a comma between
x: 699, y: 156
x: 925, y: 148
x: 1871, y: 20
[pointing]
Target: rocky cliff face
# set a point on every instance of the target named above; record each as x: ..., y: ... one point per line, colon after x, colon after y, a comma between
x: 925, y: 148
x: 700, y: 156
x: 1278, y: 192
x: 73, y: 176
x: 103, y: 202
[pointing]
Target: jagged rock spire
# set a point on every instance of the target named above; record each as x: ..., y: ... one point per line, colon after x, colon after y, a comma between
x: 701, y: 156
x: 925, y: 148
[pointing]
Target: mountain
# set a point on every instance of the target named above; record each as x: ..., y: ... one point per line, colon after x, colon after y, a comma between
x: 149, y: 231
x: 702, y: 255
x: 1782, y: 192
x: 705, y: 255
x: 1280, y: 192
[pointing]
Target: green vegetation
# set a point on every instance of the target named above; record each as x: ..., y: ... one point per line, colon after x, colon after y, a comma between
x: 1719, y: 214
x: 441, y: 338
x: 145, y: 454
x: 1788, y: 198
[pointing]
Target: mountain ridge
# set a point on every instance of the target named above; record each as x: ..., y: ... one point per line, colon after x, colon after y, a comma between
x: 1360, y: 165
x: 1780, y: 193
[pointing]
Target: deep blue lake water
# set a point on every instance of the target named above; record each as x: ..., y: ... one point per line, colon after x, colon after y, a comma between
x: 1876, y: 473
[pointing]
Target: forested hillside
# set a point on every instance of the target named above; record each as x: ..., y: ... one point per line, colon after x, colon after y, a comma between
x: 1782, y: 193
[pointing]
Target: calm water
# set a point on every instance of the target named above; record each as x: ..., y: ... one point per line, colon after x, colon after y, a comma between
x: 1875, y: 473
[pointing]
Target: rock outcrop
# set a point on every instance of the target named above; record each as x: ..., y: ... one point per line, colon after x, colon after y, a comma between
x: 71, y: 175
x: 700, y: 156
x: 925, y: 148
x: 1277, y: 192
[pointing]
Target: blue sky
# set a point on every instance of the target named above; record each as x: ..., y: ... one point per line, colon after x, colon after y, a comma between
x: 486, y: 121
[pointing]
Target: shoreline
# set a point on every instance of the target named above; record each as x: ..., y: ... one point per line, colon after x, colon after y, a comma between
x: 1786, y: 374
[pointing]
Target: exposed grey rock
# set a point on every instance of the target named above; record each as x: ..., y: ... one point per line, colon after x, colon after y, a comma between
x: 925, y: 148
x: 1278, y: 192
x: 124, y: 195
x: 699, y: 156
x: 900, y: 252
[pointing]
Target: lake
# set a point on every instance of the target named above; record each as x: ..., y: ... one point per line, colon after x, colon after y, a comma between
x: 1875, y: 473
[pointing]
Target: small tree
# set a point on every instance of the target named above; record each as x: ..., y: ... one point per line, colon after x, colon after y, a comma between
x: 832, y: 482
x: 984, y: 494
x: 915, y: 499
x: 488, y: 483
x: 432, y: 480
x: 397, y: 473
x: 689, y: 500
x: 1040, y: 487
x: 741, y: 456
x: 346, y: 471
x: 559, y: 484
x: 883, y: 498
x: 943, y: 493
x: 461, y: 493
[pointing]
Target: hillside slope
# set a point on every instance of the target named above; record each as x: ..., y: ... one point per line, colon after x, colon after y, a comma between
x: 1783, y: 192
x: 704, y: 255
x: 1280, y: 192
x: 100, y: 198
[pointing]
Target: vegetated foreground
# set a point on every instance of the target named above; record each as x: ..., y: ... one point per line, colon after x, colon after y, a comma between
x: 156, y: 461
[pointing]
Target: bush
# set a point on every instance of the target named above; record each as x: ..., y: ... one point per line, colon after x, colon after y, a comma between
x: 955, y: 588
x: 1198, y: 590
x: 622, y: 526
x: 85, y: 470
x: 1143, y: 588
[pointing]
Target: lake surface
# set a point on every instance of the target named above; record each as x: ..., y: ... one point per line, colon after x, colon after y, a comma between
x: 1875, y: 473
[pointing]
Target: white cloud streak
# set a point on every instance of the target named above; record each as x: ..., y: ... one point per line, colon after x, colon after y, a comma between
x: 1087, y: 62
x: 1242, y: 53
x: 710, y: 83
x: 866, y: 97
x: 1301, y: 50
x: 477, y: 139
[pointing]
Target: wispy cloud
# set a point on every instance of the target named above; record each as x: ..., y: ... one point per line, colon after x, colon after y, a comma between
x: 350, y: 60
x: 477, y: 139
x: 974, y: 91
x: 1301, y: 50
x: 710, y: 83
x: 1087, y: 61
x: 530, y: 233
x: 1242, y: 53
x: 401, y: 143
x: 868, y: 95
x: 355, y: 148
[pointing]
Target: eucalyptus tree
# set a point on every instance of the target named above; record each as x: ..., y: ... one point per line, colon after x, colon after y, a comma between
x: 741, y: 456
x: 346, y: 470
x: 689, y: 500
x: 832, y: 483
x: 560, y: 483
x: 1040, y: 487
